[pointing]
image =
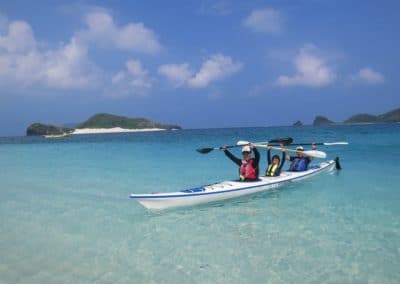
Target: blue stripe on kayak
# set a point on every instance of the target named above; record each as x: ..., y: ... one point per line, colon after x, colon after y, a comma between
x: 229, y: 190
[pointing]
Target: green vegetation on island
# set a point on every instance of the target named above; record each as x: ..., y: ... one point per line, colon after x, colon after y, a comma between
x: 362, y: 118
x: 387, y: 117
x: 104, y: 120
x: 392, y: 116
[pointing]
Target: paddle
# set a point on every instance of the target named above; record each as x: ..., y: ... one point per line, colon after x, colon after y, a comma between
x: 284, y: 141
x: 321, y: 143
x: 312, y: 153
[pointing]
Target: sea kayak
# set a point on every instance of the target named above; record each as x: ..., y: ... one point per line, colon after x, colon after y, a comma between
x: 227, y: 189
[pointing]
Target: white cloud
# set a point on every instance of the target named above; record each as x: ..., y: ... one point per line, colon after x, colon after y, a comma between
x: 312, y: 70
x: 19, y: 38
x: 23, y: 64
x: 118, y: 78
x: 370, y: 76
x: 134, y: 80
x: 266, y: 20
x: 178, y: 74
x: 133, y: 36
x: 70, y: 67
x: 217, y: 67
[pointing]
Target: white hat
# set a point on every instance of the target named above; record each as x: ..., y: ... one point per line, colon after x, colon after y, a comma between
x: 299, y: 148
x: 246, y: 149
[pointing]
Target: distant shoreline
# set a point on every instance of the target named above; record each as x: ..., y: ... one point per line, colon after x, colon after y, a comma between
x: 111, y: 130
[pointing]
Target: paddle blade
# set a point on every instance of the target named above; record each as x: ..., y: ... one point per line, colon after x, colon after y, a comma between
x: 284, y: 141
x: 336, y: 143
x: 204, y: 150
x: 315, y: 154
x: 242, y: 143
x: 338, y: 167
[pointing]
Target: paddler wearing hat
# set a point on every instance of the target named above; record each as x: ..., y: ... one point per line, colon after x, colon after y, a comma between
x: 248, y: 166
x: 300, y: 162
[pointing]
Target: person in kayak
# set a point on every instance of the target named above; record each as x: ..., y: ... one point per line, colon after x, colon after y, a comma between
x: 300, y: 163
x: 248, y: 167
x: 275, y: 166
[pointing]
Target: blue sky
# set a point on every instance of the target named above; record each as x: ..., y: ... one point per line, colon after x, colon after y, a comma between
x: 198, y: 64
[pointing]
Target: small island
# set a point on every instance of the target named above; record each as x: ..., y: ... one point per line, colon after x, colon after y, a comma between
x: 322, y: 120
x: 47, y: 129
x: 298, y: 123
x: 101, y: 123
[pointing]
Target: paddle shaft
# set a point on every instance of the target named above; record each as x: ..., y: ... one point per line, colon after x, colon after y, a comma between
x: 312, y: 153
x: 244, y: 143
x: 320, y: 143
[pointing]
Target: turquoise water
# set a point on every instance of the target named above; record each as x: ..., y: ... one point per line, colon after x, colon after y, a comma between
x: 66, y: 215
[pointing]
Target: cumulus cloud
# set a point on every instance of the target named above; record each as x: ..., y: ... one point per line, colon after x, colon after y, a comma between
x: 216, y: 68
x: 178, y: 74
x: 311, y: 70
x: 22, y: 63
x: 18, y: 38
x: 25, y: 63
x: 266, y: 20
x: 134, y: 80
x: 370, y: 76
x: 70, y: 67
x: 133, y: 36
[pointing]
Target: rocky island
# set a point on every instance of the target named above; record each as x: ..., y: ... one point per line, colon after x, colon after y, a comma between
x: 101, y: 123
x: 322, y: 120
x: 47, y: 129
x: 298, y: 123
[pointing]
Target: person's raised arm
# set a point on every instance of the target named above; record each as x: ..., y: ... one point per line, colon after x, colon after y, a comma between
x: 236, y: 160
x: 256, y: 154
x: 269, y: 155
x: 283, y: 156
x: 313, y: 147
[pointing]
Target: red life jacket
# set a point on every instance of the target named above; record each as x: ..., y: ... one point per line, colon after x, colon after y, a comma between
x: 247, y: 171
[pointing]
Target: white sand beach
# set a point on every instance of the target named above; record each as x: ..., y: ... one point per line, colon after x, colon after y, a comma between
x: 112, y: 130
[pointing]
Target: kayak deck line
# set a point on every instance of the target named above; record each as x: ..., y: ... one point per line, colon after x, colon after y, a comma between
x: 224, y: 190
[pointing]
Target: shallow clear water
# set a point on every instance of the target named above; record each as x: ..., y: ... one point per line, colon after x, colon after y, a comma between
x: 66, y: 216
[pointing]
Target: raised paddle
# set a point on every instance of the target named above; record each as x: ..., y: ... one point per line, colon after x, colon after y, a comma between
x: 312, y: 153
x: 285, y: 141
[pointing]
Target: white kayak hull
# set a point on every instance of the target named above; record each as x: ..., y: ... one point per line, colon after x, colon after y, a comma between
x: 225, y: 190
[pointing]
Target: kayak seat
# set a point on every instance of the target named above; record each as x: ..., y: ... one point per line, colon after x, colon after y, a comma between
x: 196, y: 189
x: 238, y: 180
